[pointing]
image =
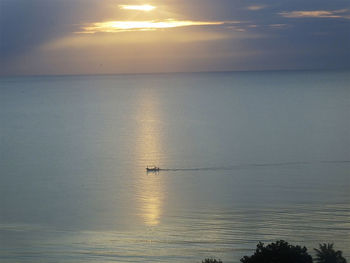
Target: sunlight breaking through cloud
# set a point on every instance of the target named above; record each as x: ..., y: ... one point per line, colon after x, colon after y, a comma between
x: 122, y: 26
x: 138, y: 7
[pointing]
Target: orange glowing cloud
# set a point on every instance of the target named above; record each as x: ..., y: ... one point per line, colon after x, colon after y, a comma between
x: 122, y: 26
x: 145, y: 8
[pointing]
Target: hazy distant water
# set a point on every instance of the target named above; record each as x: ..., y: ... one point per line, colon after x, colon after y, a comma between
x: 251, y: 157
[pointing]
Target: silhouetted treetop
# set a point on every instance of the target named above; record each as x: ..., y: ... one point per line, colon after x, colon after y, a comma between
x: 278, y: 252
x: 327, y: 254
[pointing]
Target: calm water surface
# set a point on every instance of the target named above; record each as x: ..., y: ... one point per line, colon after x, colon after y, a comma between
x: 248, y: 156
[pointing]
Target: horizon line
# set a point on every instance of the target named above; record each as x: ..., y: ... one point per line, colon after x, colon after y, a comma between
x: 174, y: 72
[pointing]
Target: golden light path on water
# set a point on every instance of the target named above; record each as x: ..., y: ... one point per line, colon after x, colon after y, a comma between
x: 150, y: 186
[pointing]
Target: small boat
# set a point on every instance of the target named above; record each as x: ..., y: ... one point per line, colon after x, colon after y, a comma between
x: 152, y: 169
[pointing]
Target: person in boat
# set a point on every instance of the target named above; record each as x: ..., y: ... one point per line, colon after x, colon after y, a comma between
x: 154, y: 168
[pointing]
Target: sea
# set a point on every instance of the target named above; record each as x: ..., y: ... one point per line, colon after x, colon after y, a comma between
x: 245, y: 157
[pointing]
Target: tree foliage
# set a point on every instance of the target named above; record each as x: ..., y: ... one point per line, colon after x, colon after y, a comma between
x: 278, y: 252
x: 327, y: 254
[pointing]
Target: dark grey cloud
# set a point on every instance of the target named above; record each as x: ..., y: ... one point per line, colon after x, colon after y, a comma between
x: 303, y: 42
x: 24, y: 24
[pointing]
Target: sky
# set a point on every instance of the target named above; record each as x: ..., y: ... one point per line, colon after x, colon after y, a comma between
x: 49, y: 37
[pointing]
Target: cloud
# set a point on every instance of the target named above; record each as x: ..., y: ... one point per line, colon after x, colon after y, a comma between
x: 278, y: 26
x: 37, y: 35
x: 145, y: 8
x: 256, y: 7
x: 122, y: 26
x: 25, y: 24
x: 341, y: 13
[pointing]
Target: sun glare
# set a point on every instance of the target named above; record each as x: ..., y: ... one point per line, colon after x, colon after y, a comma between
x: 145, y: 8
x: 120, y: 26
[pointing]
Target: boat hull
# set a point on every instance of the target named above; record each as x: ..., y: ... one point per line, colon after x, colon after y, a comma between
x: 152, y: 169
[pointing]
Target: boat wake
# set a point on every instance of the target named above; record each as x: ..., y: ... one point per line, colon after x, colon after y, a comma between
x: 245, y: 166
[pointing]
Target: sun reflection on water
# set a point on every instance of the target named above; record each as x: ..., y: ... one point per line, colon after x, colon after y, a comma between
x: 151, y: 200
x: 150, y: 187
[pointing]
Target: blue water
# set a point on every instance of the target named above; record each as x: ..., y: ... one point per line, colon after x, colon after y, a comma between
x: 246, y: 157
